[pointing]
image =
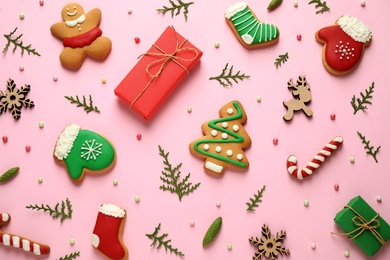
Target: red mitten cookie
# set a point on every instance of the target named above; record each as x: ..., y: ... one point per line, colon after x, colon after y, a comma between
x: 344, y: 44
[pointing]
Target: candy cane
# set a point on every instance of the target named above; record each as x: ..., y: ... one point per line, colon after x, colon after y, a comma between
x: 20, y: 242
x: 318, y: 159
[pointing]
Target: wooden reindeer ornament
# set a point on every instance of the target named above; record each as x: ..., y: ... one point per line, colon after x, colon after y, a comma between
x: 301, y: 90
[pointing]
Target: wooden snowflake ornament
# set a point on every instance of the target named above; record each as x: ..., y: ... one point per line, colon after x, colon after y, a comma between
x: 14, y: 99
x: 269, y: 246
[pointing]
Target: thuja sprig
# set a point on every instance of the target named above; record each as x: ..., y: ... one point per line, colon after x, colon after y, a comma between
x: 323, y: 6
x: 369, y: 149
x: 254, y: 202
x: 160, y: 240
x: 225, y: 80
x: 87, y: 108
x: 70, y: 256
x: 56, y: 212
x: 282, y: 58
x: 176, y: 8
x: 171, y: 178
x: 18, y: 43
x: 361, y: 104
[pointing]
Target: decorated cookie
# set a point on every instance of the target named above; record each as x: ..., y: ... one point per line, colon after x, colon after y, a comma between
x: 315, y: 163
x: 344, y: 44
x: 15, y: 241
x: 301, y: 90
x: 107, y: 234
x: 83, y: 151
x: 224, y: 141
x: 249, y: 30
x: 81, y: 35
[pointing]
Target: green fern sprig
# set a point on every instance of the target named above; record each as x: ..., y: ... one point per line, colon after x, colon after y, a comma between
x: 177, y: 8
x: 55, y: 213
x: 17, y: 43
x: 281, y: 59
x: 70, y: 256
x: 224, y: 80
x: 87, y: 108
x: 160, y: 241
x: 364, y: 101
x: 256, y: 200
x: 323, y: 6
x: 171, y: 178
x: 369, y: 149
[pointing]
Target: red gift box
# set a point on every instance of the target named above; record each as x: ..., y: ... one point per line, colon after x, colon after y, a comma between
x: 158, y: 72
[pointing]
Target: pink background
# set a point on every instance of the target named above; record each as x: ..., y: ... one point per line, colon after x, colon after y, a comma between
x: 139, y: 165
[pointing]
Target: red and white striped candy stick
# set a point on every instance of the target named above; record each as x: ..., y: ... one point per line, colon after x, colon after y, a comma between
x: 20, y: 242
x: 316, y: 162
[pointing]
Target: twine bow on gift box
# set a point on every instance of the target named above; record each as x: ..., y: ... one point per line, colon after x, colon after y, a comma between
x: 363, y: 225
x: 165, y: 59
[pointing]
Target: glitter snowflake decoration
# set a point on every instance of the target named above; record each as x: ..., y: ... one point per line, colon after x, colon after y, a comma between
x: 269, y: 246
x: 91, y: 150
x: 13, y: 99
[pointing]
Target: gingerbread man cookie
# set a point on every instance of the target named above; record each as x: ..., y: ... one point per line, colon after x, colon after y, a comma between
x: 81, y: 35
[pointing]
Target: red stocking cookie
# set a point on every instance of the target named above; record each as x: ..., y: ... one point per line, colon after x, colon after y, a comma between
x: 107, y: 234
x: 20, y: 242
x: 315, y: 163
x: 224, y: 141
x: 344, y: 44
x: 81, y: 35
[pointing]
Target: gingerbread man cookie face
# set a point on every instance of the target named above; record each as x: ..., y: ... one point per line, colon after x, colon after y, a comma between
x: 81, y: 35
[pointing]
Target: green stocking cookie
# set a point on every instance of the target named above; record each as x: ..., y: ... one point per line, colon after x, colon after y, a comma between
x: 248, y: 29
x: 83, y: 150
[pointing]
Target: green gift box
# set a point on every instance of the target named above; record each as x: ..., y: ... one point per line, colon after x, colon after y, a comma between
x: 363, y: 226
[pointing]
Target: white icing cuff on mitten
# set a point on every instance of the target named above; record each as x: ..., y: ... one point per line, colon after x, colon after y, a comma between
x: 65, y: 141
x: 112, y: 210
x: 355, y: 28
x: 238, y: 7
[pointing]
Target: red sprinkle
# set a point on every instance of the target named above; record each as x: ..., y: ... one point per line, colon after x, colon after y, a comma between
x: 336, y: 187
x: 139, y: 136
x: 5, y: 139
x: 299, y: 37
x: 41, y: 2
x: 275, y: 141
x: 333, y: 116
x: 28, y: 148
x: 137, y: 40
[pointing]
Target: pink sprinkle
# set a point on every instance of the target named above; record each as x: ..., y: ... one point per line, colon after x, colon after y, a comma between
x: 137, y: 40
x: 21, y: 67
x: 28, y: 148
x: 5, y: 139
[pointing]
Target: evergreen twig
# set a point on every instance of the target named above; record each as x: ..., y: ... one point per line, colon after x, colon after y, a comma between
x: 55, y: 213
x: 369, y: 149
x: 160, y: 240
x: 224, y: 80
x: 323, y: 6
x: 361, y: 104
x: 8, y: 175
x: 176, y: 7
x: 18, y: 43
x: 256, y: 200
x: 70, y: 256
x: 87, y: 108
x: 171, y: 178
x: 281, y: 59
